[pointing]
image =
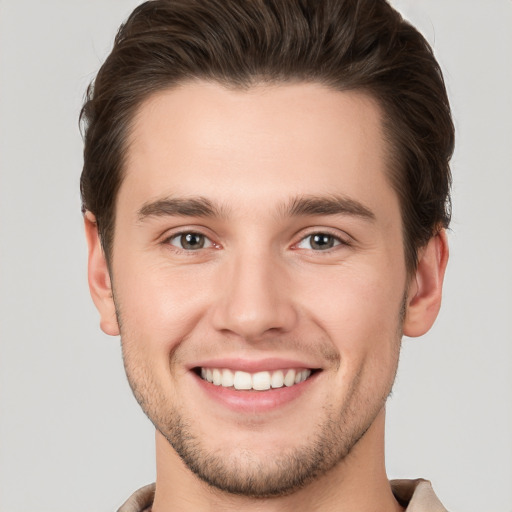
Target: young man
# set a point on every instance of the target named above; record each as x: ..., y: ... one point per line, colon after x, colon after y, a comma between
x: 266, y: 188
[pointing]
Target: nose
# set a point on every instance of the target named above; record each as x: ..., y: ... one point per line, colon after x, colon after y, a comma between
x: 255, y: 298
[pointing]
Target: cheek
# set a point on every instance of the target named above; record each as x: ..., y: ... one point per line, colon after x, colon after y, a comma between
x: 157, y: 305
x: 346, y: 297
x: 359, y: 310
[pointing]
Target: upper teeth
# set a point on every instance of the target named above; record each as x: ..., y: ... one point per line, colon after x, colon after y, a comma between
x: 259, y: 381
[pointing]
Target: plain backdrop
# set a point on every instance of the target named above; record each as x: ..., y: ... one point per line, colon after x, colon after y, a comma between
x: 72, y: 436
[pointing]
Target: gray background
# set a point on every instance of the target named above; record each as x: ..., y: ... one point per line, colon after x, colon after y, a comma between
x: 72, y: 436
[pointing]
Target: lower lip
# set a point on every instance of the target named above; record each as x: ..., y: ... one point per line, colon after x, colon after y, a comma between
x: 251, y: 401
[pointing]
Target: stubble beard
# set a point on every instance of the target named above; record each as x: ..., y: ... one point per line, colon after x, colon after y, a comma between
x: 242, y: 472
x: 279, y: 474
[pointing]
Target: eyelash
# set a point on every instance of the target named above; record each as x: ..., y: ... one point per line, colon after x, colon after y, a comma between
x: 182, y: 234
x: 337, y: 241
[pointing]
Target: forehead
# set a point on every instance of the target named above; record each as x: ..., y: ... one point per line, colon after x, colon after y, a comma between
x: 264, y: 142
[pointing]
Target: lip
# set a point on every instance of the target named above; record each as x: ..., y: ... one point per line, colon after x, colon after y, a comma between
x: 251, y: 401
x: 253, y: 366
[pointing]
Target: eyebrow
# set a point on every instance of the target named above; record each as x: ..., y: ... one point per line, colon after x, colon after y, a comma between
x: 301, y: 206
x: 327, y: 205
x: 186, y: 207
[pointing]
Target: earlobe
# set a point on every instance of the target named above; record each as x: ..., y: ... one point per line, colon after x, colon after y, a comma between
x: 99, y: 278
x: 426, y: 286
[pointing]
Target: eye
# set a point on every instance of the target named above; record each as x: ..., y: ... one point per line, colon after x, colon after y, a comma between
x: 190, y: 241
x: 319, y: 242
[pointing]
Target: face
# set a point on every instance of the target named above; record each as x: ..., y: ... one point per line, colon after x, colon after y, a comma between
x: 259, y: 278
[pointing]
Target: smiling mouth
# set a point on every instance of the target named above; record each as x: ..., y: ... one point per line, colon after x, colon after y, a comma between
x: 259, y: 381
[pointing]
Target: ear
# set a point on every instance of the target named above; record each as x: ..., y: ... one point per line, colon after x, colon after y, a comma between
x: 426, y: 286
x: 100, y: 285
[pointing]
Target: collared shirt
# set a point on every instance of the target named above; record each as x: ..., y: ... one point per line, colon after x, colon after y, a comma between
x: 415, y: 495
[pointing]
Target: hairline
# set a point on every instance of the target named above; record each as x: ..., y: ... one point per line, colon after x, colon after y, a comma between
x: 393, y: 167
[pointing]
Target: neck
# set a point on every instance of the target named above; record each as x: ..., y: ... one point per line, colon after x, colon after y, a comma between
x: 358, y: 483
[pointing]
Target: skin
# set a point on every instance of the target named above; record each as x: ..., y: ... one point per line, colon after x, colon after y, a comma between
x: 259, y: 290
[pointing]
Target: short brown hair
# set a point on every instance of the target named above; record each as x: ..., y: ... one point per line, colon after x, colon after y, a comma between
x: 344, y: 44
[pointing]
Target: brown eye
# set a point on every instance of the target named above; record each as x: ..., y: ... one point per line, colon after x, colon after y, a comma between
x: 190, y: 241
x: 319, y: 242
